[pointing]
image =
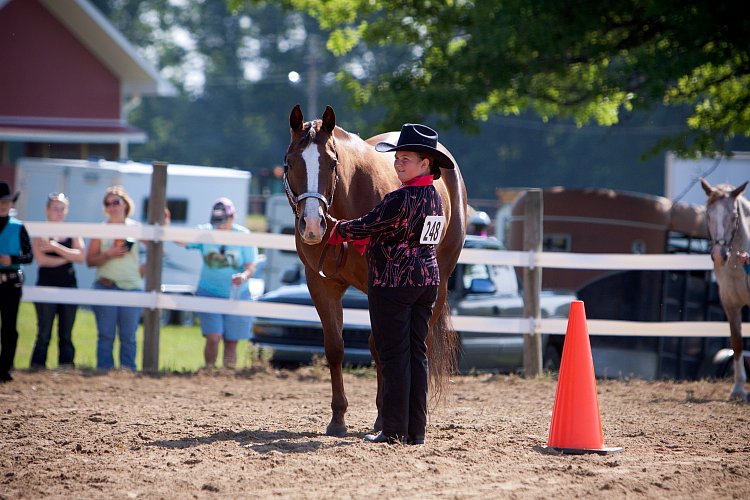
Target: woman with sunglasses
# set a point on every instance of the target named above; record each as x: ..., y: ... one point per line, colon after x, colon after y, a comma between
x: 224, y: 274
x: 118, y: 268
x: 55, y: 257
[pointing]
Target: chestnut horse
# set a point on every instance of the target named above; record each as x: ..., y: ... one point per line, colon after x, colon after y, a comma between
x: 331, y: 174
x: 728, y: 216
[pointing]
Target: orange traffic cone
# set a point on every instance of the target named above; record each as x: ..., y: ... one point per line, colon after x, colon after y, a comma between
x: 576, y: 427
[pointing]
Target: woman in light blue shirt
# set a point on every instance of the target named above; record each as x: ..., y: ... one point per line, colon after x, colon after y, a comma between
x: 224, y: 274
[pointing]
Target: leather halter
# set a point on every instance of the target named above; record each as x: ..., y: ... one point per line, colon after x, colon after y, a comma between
x: 295, y: 200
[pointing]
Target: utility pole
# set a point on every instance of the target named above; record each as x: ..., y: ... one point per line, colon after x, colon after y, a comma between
x: 313, y: 52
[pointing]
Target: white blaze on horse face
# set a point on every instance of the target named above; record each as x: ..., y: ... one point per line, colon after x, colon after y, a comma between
x: 718, y: 232
x: 312, y: 212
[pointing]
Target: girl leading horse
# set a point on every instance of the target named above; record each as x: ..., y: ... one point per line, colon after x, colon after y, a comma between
x: 332, y: 174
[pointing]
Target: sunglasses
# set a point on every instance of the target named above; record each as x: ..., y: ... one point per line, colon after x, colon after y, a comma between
x: 113, y: 203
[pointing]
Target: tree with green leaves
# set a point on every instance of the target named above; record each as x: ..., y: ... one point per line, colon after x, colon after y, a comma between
x: 465, y: 61
x: 232, y: 71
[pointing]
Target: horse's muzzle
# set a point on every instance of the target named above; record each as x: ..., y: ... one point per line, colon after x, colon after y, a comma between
x: 720, y: 254
x: 312, y: 231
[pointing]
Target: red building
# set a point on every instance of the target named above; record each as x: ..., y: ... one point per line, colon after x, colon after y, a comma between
x: 68, y: 76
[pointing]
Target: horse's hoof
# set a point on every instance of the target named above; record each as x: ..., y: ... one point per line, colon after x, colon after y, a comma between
x: 336, y: 430
x: 738, y: 396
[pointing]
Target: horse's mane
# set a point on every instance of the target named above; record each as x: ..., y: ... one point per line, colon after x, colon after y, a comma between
x: 720, y: 192
x: 311, y: 130
x: 304, y: 140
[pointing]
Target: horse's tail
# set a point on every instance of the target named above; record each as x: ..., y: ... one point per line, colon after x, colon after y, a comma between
x: 443, y: 352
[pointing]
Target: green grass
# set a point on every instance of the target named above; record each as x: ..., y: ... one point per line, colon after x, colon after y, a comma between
x: 256, y: 223
x: 180, y: 347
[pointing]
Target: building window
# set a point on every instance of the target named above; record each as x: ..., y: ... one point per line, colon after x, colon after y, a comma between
x: 178, y: 210
x: 556, y: 243
x: 681, y: 243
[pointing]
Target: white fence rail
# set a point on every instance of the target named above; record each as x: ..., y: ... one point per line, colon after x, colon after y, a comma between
x: 286, y: 242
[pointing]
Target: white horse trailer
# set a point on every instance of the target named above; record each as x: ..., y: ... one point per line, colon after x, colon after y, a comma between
x: 191, y: 191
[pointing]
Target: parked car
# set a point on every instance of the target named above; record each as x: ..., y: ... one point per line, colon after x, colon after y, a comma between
x: 474, y: 289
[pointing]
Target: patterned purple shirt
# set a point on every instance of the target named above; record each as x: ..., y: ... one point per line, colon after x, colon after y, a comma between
x: 395, y: 256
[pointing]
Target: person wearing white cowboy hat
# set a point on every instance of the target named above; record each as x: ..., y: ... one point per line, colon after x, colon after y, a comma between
x: 401, y: 234
x: 15, y: 251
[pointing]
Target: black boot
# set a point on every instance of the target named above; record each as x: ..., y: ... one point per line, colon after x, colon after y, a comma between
x: 382, y: 438
x: 415, y: 440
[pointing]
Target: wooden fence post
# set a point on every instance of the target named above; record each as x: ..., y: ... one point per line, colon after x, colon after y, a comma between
x: 157, y: 204
x: 532, y: 283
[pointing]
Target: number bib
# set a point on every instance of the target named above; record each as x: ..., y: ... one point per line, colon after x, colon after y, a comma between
x: 432, y: 231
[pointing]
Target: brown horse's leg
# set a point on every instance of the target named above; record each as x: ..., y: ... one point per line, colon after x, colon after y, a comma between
x: 327, y: 299
x: 339, y: 403
x: 735, y: 329
x: 334, y: 348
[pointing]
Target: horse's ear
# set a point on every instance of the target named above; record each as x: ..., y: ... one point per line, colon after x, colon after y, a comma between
x: 707, y: 187
x: 329, y: 119
x: 738, y: 191
x: 296, y: 119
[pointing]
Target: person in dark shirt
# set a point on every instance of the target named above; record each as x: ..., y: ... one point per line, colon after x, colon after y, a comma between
x: 55, y: 257
x: 403, y: 278
x: 15, y: 250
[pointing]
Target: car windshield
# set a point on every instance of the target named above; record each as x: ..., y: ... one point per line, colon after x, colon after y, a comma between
x: 505, y: 280
x: 503, y: 277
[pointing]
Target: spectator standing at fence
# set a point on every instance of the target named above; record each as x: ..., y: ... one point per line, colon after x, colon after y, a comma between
x: 117, y: 268
x: 479, y: 224
x: 15, y: 251
x: 224, y: 274
x: 55, y: 257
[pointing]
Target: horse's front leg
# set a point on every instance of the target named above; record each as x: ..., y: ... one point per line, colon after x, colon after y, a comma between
x: 334, y: 348
x: 326, y: 295
x: 735, y: 329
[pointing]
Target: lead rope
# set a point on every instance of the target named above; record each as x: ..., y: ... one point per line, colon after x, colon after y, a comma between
x: 339, y: 259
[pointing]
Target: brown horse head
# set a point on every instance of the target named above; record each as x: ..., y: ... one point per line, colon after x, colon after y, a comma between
x: 310, y: 172
x: 723, y: 218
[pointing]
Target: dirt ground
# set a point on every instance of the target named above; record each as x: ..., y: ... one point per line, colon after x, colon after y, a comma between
x: 261, y: 435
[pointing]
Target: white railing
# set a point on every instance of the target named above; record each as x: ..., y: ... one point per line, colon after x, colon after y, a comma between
x: 158, y: 300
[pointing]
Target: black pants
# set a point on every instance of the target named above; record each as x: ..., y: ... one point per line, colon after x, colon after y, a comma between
x: 400, y: 323
x: 10, y: 299
x: 45, y: 314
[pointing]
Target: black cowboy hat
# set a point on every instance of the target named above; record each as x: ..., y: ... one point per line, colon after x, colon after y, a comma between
x: 420, y: 139
x: 5, y: 192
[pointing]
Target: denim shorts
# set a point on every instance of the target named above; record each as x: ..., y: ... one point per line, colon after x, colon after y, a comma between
x: 231, y: 326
